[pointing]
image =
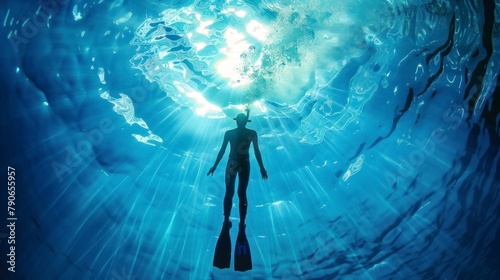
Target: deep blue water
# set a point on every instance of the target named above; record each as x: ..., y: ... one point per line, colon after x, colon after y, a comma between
x: 378, y: 123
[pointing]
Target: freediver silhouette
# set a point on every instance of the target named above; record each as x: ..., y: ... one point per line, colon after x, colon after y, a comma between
x: 238, y: 163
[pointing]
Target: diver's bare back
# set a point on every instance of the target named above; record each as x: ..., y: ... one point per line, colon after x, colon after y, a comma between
x: 240, y: 140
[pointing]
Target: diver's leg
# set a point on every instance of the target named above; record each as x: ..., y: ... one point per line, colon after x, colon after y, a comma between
x: 243, y: 177
x: 231, y: 170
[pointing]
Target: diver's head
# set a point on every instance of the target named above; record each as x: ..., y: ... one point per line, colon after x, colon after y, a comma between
x: 241, y: 120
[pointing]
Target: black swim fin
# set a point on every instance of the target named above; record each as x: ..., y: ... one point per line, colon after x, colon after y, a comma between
x: 242, y: 257
x: 222, y: 256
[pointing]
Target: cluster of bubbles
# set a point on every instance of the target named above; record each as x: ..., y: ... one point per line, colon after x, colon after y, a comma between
x: 229, y: 53
x: 313, y: 64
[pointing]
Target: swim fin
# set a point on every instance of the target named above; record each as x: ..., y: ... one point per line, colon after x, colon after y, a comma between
x: 242, y: 257
x: 222, y: 256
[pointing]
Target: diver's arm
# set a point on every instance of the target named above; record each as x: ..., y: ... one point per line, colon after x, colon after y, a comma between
x: 258, y: 156
x: 220, y: 154
x: 222, y: 151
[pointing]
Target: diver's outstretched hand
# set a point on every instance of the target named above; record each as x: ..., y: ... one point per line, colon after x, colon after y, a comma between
x: 211, y: 171
x: 263, y: 172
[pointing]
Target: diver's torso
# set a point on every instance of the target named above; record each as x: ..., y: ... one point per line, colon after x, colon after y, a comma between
x: 240, y: 140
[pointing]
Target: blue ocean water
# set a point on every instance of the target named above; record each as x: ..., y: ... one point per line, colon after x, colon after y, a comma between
x: 378, y: 123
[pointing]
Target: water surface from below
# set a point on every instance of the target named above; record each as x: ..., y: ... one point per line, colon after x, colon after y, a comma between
x: 378, y: 124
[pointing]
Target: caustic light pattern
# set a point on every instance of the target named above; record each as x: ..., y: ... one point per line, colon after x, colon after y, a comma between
x: 378, y: 123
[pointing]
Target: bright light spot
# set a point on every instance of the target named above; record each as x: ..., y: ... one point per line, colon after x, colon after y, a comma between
x: 261, y: 106
x: 123, y: 19
x: 46, y: 103
x: 147, y: 139
x: 174, y: 67
x: 378, y: 264
x: 25, y: 21
x: 240, y: 107
x: 199, y: 46
x: 101, y: 75
x: 209, y: 204
x: 240, y: 13
x: 257, y: 30
x: 233, y: 37
x: 202, y: 28
x: 227, y: 68
x: 162, y: 54
x: 76, y: 14
x: 423, y: 206
x: 354, y: 167
x: 202, y: 106
x: 6, y: 17
x: 268, y: 135
x: 125, y: 107
x: 258, y: 63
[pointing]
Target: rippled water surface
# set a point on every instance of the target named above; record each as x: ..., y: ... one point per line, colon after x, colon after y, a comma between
x: 378, y: 123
